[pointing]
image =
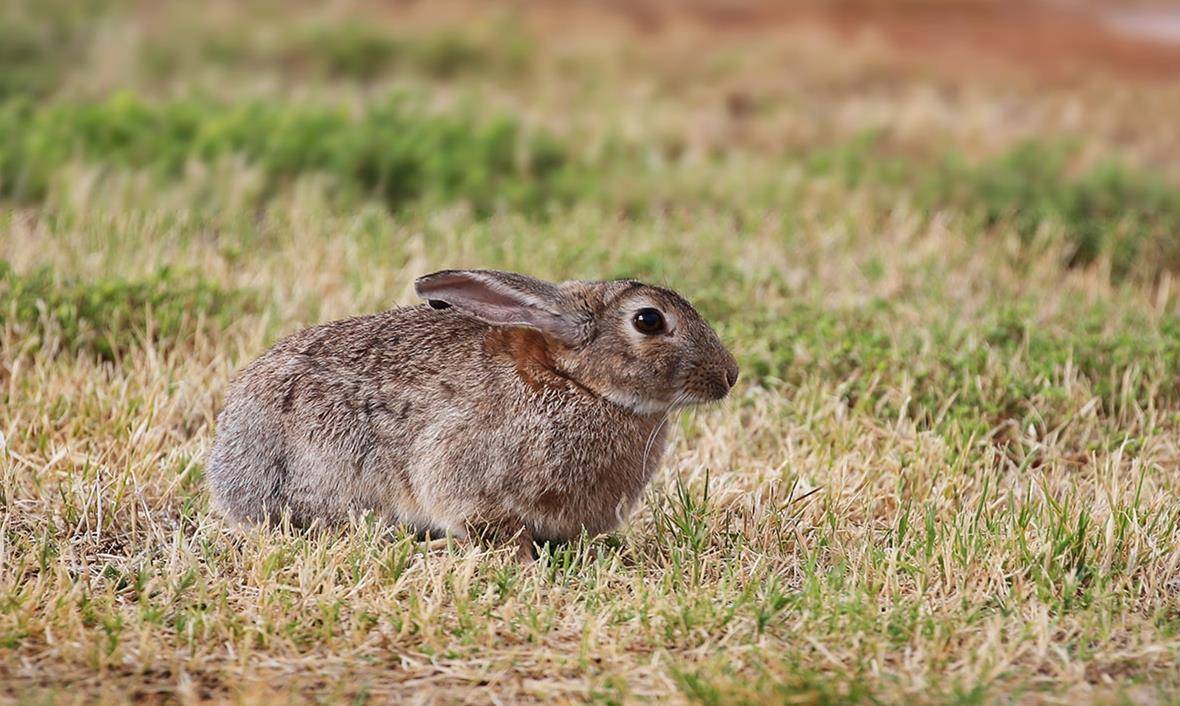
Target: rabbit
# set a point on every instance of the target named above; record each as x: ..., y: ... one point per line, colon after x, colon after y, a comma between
x: 506, y: 408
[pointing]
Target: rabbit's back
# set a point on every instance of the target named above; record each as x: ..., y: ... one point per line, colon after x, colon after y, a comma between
x: 326, y: 422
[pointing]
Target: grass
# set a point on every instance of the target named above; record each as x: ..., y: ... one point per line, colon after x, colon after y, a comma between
x: 108, y: 318
x: 1107, y: 211
x: 355, y: 51
x: 391, y: 150
x: 948, y: 476
x: 39, y: 40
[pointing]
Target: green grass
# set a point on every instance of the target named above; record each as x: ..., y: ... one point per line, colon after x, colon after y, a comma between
x: 395, y: 151
x: 1128, y: 217
x: 363, y: 52
x: 1007, y: 366
x: 111, y: 316
x: 1131, y: 217
x: 39, y: 41
x: 354, y: 51
x: 392, y: 150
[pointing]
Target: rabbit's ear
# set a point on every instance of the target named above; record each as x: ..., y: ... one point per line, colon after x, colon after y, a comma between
x: 505, y: 299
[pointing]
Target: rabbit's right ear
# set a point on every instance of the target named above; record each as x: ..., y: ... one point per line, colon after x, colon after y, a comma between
x: 505, y: 299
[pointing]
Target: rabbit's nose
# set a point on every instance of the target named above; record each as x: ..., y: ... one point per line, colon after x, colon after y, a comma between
x: 728, y: 376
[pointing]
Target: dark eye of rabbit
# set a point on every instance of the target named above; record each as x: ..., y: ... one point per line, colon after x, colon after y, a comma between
x: 648, y: 321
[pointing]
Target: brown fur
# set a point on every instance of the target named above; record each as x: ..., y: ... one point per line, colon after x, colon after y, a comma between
x: 526, y: 409
x: 529, y: 352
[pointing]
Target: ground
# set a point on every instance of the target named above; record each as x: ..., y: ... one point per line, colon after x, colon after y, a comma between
x: 941, y: 239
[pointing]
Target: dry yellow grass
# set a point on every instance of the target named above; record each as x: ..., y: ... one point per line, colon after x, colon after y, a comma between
x: 952, y: 475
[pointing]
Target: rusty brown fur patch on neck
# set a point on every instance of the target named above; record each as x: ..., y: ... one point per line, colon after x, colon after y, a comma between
x: 532, y: 354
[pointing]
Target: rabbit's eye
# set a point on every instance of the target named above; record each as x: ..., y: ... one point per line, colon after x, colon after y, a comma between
x: 648, y: 322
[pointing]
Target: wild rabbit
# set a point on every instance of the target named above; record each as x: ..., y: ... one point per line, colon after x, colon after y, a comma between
x: 509, y: 408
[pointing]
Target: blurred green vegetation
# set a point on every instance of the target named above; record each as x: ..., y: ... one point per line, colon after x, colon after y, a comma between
x: 391, y: 150
x: 28, y: 60
x: 40, y: 39
x: 1128, y: 216
x: 111, y: 316
x: 1107, y: 210
x: 397, y: 152
x: 349, y: 51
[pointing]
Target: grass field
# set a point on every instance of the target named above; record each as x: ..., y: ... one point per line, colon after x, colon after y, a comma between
x: 950, y: 474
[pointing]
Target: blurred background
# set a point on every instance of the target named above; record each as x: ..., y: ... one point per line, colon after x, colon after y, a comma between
x: 563, y: 92
x: 163, y: 84
x: 690, y: 78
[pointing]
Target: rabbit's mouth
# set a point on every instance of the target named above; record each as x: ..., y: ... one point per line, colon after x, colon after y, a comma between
x: 696, y: 400
x: 700, y: 386
x: 650, y: 407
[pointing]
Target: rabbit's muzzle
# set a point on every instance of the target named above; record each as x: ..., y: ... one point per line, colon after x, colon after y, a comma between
x: 710, y: 383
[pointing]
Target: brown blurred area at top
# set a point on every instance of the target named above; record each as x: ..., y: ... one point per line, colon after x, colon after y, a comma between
x: 1053, y: 40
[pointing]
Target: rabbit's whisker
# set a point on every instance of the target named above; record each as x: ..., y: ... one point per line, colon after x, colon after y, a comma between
x: 650, y: 441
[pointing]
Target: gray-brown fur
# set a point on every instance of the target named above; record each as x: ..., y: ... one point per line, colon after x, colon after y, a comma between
x: 523, y: 408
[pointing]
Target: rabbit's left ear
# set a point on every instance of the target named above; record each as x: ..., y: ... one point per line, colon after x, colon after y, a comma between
x: 506, y: 299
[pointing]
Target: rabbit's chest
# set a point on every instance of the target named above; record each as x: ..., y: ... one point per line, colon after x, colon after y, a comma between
x: 586, y: 477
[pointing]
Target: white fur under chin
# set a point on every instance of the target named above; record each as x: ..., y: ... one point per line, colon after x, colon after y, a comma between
x: 637, y: 404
